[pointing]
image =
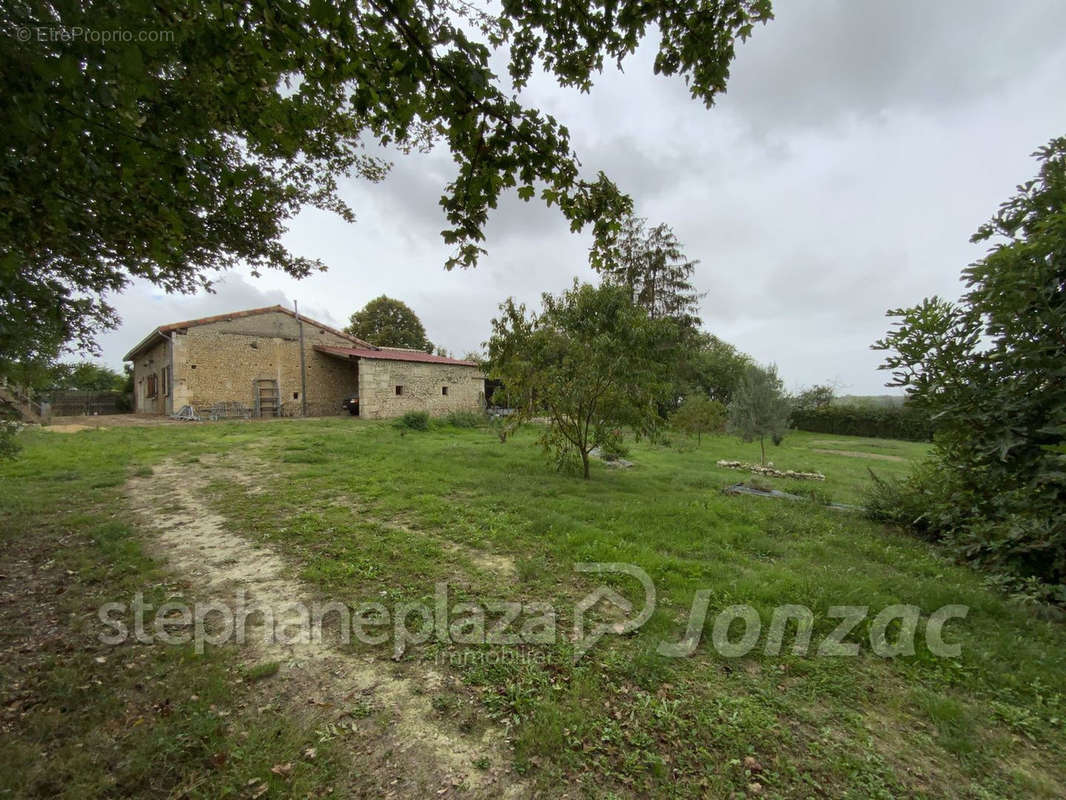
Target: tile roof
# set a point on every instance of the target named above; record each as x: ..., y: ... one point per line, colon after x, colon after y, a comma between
x: 190, y: 323
x: 393, y: 354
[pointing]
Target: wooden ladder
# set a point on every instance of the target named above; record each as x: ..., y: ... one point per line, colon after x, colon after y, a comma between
x: 267, y: 397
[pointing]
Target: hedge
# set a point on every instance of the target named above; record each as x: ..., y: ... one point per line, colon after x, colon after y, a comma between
x: 891, y: 422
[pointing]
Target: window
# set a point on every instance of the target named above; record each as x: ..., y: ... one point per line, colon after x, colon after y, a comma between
x: 166, y: 381
x: 152, y: 389
x: 295, y: 395
x: 399, y: 390
x: 444, y: 390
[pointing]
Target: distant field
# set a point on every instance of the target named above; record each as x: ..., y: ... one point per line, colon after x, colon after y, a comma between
x: 358, y: 511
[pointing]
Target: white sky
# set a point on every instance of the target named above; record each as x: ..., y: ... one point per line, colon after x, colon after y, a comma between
x: 859, y: 146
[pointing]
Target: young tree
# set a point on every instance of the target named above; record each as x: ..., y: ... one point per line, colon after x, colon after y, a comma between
x: 759, y: 407
x: 389, y: 323
x: 990, y: 369
x: 650, y: 262
x: 185, y: 148
x: 710, y: 367
x: 591, y: 362
x: 698, y: 415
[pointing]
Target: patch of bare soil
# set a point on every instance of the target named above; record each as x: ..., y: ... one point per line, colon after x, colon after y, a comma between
x: 492, y: 562
x: 110, y: 421
x: 407, y: 751
x: 71, y: 428
x: 859, y: 454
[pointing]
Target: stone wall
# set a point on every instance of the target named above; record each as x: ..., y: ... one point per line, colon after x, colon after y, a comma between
x: 150, y: 362
x: 220, y: 361
x: 422, y: 385
x: 330, y: 381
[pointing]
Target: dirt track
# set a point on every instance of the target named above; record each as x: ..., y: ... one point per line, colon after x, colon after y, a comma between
x: 83, y: 422
x: 407, y: 751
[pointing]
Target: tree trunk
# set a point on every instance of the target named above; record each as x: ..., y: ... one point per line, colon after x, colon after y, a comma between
x: 762, y: 444
x: 585, y: 463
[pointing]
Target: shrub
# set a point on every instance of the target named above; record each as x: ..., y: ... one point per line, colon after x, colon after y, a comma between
x: 500, y: 427
x: 414, y: 421
x: 886, y: 422
x: 464, y: 419
x: 989, y: 369
x: 1020, y: 542
x: 9, y: 446
x: 901, y: 501
x: 614, y: 451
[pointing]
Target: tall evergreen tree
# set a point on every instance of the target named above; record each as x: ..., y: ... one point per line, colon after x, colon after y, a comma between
x: 651, y: 263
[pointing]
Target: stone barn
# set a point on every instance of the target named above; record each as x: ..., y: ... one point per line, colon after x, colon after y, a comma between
x: 268, y: 362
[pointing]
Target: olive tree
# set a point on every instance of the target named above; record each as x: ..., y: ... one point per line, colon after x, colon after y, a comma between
x: 759, y: 407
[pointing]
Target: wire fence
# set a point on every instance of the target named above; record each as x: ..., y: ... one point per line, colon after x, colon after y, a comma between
x: 73, y: 403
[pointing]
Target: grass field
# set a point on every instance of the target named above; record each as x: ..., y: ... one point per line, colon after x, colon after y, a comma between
x: 358, y: 511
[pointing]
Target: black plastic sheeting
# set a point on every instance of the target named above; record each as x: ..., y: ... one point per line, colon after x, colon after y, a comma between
x: 740, y: 488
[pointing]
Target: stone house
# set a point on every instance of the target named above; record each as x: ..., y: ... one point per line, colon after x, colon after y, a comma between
x: 275, y: 363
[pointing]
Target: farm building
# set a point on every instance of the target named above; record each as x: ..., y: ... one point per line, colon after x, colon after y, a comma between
x: 271, y: 362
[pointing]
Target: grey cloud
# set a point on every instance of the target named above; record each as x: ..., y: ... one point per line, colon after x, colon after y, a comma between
x: 410, y: 192
x: 144, y: 307
x: 858, y: 148
x: 823, y: 60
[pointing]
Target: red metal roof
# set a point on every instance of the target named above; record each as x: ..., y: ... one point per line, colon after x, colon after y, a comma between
x: 389, y: 354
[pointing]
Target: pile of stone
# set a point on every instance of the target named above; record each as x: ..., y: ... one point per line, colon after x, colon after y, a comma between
x: 770, y: 471
x: 609, y: 459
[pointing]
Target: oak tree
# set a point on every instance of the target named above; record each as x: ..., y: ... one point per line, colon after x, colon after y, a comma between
x: 386, y: 322
x: 180, y: 143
